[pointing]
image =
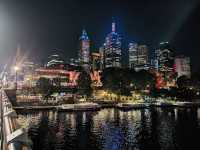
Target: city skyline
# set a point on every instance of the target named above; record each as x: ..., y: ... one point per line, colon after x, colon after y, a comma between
x: 39, y: 30
x: 99, y: 74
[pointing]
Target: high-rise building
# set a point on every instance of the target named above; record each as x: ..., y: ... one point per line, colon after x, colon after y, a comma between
x: 102, y: 57
x: 142, y: 58
x: 96, y: 61
x: 142, y: 54
x: 182, y: 66
x: 133, y: 48
x: 112, y: 49
x: 164, y: 57
x: 84, y: 51
x: 138, y: 56
x: 164, y: 64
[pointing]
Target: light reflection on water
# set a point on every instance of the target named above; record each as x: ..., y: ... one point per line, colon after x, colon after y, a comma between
x: 112, y: 129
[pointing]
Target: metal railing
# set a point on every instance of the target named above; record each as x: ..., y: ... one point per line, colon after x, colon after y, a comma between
x: 13, y: 137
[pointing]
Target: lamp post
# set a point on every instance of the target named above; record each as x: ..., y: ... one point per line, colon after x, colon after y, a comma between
x: 16, y: 68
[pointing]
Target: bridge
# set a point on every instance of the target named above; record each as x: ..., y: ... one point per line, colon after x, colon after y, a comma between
x: 13, y: 137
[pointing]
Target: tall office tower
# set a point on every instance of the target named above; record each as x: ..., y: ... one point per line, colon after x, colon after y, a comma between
x: 112, y: 49
x: 165, y: 66
x: 84, y: 51
x: 96, y: 60
x: 102, y: 57
x: 138, y: 56
x: 142, y: 58
x: 164, y: 57
x: 182, y: 66
x: 133, y: 48
x: 142, y: 54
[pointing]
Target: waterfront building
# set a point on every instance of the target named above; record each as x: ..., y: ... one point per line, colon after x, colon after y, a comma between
x: 84, y: 51
x: 182, y: 66
x: 112, y: 49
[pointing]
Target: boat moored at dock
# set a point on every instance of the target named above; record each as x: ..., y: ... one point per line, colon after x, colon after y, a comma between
x: 79, y: 107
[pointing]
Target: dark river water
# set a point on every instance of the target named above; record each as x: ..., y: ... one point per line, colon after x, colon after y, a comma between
x: 112, y: 129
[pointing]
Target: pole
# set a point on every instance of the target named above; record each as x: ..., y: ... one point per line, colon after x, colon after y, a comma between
x: 16, y: 80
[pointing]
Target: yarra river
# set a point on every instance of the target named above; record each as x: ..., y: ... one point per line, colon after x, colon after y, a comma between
x: 112, y: 129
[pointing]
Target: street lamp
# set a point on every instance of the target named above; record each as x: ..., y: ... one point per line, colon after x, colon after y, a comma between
x: 16, y: 68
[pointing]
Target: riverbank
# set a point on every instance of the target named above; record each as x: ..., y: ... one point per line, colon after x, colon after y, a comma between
x: 93, y: 106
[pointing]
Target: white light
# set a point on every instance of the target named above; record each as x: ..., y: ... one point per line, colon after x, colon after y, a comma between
x: 16, y: 68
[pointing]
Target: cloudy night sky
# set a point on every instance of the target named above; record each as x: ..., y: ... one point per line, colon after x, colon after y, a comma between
x: 41, y: 27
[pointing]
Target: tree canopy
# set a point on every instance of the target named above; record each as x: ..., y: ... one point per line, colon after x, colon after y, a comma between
x: 84, y: 83
x: 123, y: 80
x: 45, y: 86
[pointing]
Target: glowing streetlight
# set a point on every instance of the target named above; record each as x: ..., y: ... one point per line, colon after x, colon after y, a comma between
x: 16, y: 68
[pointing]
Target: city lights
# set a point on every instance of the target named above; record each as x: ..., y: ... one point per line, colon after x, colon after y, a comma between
x: 75, y: 78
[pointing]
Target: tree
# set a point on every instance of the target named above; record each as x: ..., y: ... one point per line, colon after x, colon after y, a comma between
x: 84, y: 83
x: 123, y: 80
x: 57, y: 84
x: 182, y: 81
x: 196, y: 80
x: 45, y: 87
x: 143, y: 79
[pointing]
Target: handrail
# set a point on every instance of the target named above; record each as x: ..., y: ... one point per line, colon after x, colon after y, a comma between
x: 14, y: 137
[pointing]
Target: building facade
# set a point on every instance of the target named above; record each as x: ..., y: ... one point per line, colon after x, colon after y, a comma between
x: 138, y: 56
x: 164, y: 57
x: 133, y: 48
x: 84, y: 51
x: 112, y: 49
x: 96, y: 61
x: 164, y: 65
x: 182, y: 66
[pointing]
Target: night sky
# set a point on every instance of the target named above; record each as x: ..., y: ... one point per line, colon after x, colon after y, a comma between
x: 42, y: 27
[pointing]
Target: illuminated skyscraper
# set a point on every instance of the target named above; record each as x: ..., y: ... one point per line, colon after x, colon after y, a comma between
x: 96, y: 61
x: 165, y: 65
x: 142, y: 55
x: 164, y: 57
x: 133, y: 47
x: 102, y: 57
x: 112, y: 49
x: 138, y: 56
x: 84, y: 52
